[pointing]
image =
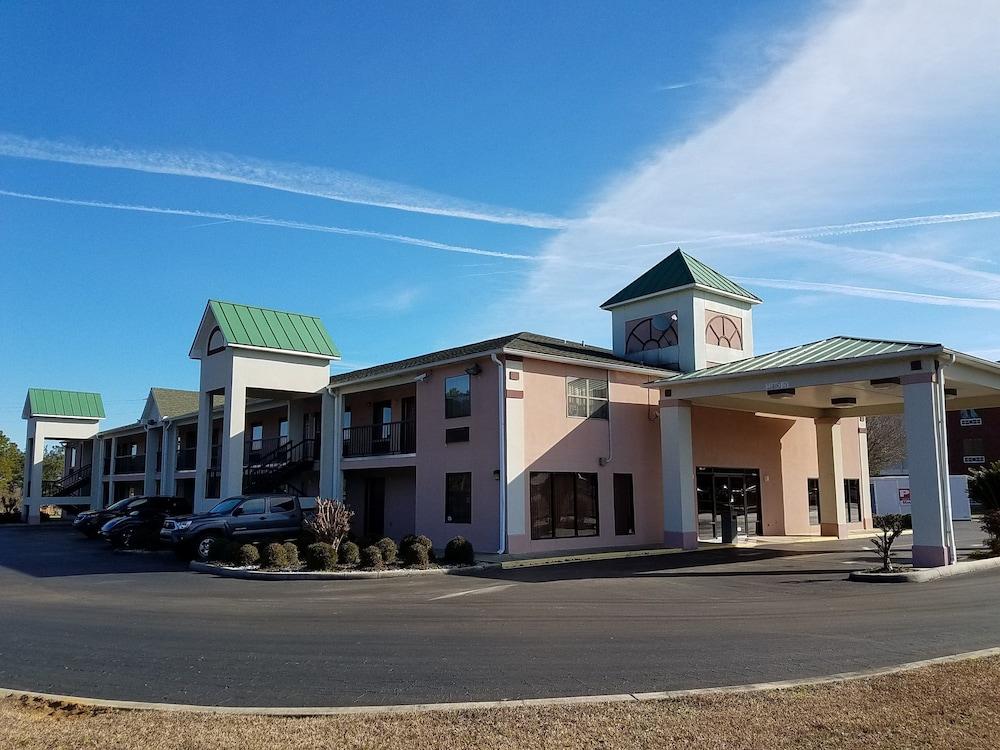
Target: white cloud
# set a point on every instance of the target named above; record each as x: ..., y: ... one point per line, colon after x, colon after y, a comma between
x: 891, y: 295
x: 321, y: 182
x: 882, y: 108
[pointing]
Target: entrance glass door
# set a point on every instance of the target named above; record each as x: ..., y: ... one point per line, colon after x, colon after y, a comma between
x: 728, y: 503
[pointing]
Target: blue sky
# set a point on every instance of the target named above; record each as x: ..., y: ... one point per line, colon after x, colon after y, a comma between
x: 574, y: 143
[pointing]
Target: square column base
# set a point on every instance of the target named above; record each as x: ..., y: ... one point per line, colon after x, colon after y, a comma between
x: 839, y: 530
x: 930, y: 556
x: 681, y: 539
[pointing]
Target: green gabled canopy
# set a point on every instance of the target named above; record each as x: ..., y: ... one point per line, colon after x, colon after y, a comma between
x: 836, y: 349
x: 675, y: 271
x: 243, y: 325
x: 45, y: 402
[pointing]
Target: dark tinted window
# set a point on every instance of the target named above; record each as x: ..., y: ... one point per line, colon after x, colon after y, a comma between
x: 813, y: 489
x: 852, y: 499
x: 282, y: 504
x: 624, y: 505
x: 563, y: 505
x: 457, y: 397
x: 458, y: 498
x: 253, y: 506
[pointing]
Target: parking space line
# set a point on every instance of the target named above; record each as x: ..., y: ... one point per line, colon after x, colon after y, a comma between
x: 472, y: 592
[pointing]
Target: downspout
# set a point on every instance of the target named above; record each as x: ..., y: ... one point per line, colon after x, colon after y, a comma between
x: 942, y: 438
x: 611, y: 450
x: 502, y: 440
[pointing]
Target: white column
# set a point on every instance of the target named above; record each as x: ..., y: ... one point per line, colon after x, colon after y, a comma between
x: 866, y: 489
x: 927, y: 471
x: 680, y: 508
x: 34, y: 454
x: 517, y: 476
x: 149, y: 478
x: 168, y: 448
x: 203, y: 453
x: 296, y: 419
x: 97, y: 474
x: 830, y: 456
x: 112, y: 469
x: 331, y: 474
x: 234, y: 418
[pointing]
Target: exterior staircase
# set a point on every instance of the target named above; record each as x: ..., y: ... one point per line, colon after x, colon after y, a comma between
x: 69, y: 485
x: 274, y: 470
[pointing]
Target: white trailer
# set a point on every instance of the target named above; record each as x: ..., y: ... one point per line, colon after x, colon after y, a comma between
x: 892, y: 495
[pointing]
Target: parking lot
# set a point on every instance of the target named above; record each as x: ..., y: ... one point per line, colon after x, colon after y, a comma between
x: 79, y: 619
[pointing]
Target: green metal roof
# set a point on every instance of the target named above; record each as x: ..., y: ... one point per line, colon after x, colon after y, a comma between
x: 678, y: 270
x: 273, y: 329
x: 52, y: 403
x: 834, y: 349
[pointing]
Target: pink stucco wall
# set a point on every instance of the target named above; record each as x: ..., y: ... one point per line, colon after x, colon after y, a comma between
x: 556, y: 442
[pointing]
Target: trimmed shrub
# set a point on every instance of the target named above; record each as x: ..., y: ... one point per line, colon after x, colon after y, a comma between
x: 349, y: 553
x: 371, y: 558
x: 274, y: 556
x: 291, y: 554
x: 991, y: 525
x: 459, y: 552
x: 390, y: 553
x: 247, y: 555
x: 320, y: 556
x: 416, y: 555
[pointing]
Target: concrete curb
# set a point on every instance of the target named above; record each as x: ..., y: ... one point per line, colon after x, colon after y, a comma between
x: 577, y: 700
x: 332, y: 575
x: 927, y: 574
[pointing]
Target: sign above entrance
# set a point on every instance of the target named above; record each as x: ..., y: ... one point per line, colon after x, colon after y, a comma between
x: 777, y: 385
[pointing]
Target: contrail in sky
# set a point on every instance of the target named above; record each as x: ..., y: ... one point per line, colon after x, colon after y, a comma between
x: 322, y: 182
x: 265, y: 221
x: 860, y: 291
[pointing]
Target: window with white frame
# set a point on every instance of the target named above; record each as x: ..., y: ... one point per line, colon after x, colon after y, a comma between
x: 587, y: 398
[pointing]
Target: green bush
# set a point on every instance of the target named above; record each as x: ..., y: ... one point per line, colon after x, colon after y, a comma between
x: 291, y: 554
x: 320, y: 556
x: 274, y: 556
x: 371, y: 558
x: 247, y: 555
x: 350, y: 554
x: 984, y: 487
x: 991, y: 525
x: 459, y: 552
x: 389, y: 551
x: 416, y: 555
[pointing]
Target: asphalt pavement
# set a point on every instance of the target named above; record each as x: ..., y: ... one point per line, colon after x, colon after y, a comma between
x: 79, y: 619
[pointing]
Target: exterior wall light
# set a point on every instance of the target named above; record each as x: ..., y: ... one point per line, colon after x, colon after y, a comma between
x: 496, y: 474
x: 843, y: 402
x: 883, y: 383
x: 781, y: 393
x: 950, y: 392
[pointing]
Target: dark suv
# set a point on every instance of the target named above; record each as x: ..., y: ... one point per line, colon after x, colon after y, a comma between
x: 89, y: 522
x: 245, y: 518
x: 140, y: 525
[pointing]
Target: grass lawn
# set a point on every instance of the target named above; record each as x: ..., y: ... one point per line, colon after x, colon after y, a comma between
x: 946, y: 706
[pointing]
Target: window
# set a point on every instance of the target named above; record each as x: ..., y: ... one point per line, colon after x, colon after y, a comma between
x: 563, y: 505
x: 970, y: 418
x: 256, y: 436
x: 724, y: 331
x: 254, y: 506
x: 282, y: 504
x: 587, y: 398
x: 283, y: 431
x: 457, y: 397
x: 852, y: 499
x: 813, y: 490
x: 624, y: 505
x: 645, y: 334
x: 216, y: 341
x: 456, y: 435
x: 458, y: 498
x: 972, y: 451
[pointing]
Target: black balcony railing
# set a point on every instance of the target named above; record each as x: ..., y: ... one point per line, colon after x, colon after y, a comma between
x: 254, y: 451
x: 74, y: 484
x: 186, y: 459
x: 383, y: 439
x: 130, y: 464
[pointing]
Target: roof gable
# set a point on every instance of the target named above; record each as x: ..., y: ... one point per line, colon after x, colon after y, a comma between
x: 263, y: 328
x: 172, y: 402
x: 47, y: 402
x: 835, y: 349
x: 675, y: 271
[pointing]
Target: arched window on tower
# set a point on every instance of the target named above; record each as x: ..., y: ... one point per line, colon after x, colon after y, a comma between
x: 724, y: 331
x: 216, y: 341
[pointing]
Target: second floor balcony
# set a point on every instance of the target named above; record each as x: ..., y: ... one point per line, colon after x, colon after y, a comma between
x: 385, y: 439
x: 130, y: 464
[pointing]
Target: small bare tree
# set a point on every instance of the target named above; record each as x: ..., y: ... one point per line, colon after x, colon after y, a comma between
x: 886, y: 442
x: 331, y: 523
x: 891, y: 525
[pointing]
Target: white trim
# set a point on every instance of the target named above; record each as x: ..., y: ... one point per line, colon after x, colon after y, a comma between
x: 588, y: 363
x: 292, y: 352
x: 671, y: 290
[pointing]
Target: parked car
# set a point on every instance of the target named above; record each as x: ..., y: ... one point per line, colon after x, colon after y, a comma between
x: 140, y: 527
x: 89, y: 522
x: 244, y: 518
